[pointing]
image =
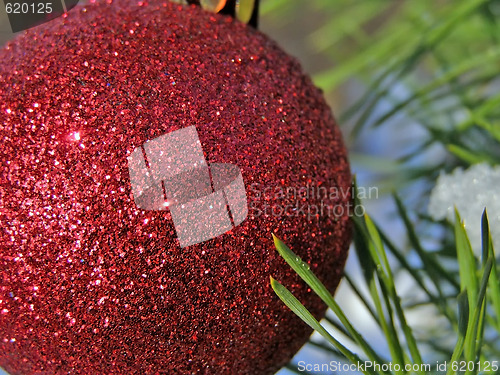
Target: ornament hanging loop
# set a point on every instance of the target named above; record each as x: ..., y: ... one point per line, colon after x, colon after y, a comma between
x: 246, y: 11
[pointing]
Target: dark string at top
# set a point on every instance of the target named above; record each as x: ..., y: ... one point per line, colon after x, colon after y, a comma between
x: 230, y: 9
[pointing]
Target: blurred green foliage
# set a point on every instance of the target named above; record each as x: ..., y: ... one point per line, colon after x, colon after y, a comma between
x: 444, y: 56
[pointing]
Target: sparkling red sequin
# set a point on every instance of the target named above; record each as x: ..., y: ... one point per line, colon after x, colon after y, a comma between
x: 89, y: 283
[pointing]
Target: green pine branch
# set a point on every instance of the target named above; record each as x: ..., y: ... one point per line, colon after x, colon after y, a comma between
x: 475, y: 308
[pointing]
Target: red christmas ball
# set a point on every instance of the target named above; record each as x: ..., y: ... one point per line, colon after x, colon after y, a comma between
x: 91, y: 281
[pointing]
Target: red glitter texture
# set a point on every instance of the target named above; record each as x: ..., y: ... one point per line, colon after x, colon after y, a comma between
x: 90, y: 283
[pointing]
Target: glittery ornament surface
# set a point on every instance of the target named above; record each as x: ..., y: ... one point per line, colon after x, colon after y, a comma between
x: 92, y: 284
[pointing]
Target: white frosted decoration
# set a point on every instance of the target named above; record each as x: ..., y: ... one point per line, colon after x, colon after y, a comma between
x: 470, y: 191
